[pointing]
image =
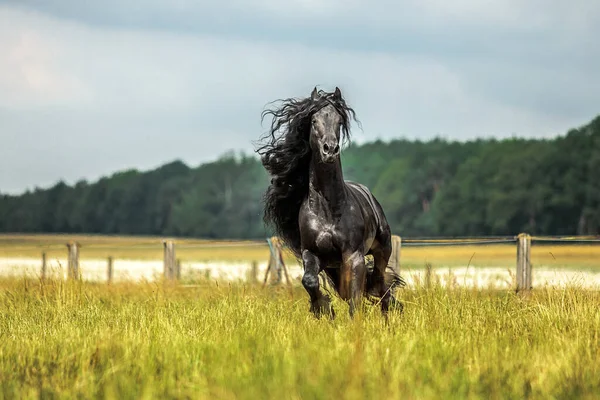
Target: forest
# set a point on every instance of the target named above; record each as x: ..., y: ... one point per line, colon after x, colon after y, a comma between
x: 427, y: 188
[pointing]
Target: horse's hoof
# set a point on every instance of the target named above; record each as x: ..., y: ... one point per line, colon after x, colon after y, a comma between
x: 322, y: 307
x: 396, y: 305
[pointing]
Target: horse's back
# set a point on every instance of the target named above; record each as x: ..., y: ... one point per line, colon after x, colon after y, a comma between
x: 364, y: 195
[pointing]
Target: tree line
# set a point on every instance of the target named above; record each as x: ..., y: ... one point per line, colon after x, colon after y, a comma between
x: 427, y: 188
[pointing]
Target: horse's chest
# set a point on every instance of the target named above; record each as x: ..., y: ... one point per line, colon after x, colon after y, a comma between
x: 324, y: 240
x: 323, y: 235
x: 329, y: 239
x: 330, y: 236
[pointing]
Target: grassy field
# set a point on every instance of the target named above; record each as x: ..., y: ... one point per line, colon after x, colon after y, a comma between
x: 563, y: 255
x: 73, y: 340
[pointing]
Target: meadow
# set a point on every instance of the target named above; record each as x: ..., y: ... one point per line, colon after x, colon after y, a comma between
x: 156, y: 340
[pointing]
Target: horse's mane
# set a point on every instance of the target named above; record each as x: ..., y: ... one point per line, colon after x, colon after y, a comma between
x: 285, y: 154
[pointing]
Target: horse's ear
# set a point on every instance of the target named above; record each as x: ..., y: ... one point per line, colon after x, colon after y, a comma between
x: 315, y: 94
x: 337, y: 94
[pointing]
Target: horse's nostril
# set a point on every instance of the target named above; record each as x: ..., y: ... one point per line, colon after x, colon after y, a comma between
x: 336, y: 149
x: 326, y: 147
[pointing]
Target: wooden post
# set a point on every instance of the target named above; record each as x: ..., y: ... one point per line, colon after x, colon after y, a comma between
x: 396, y: 249
x: 268, y: 270
x: 276, y: 261
x: 428, y: 275
x: 282, y: 265
x: 43, y: 266
x: 73, y: 263
x: 254, y: 271
x: 524, y: 281
x: 178, y: 270
x: 109, y: 271
x: 169, y: 260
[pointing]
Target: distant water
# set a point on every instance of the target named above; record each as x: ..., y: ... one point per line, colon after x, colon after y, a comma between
x: 132, y: 270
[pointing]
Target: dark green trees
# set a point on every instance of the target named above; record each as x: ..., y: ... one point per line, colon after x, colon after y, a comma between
x: 483, y: 187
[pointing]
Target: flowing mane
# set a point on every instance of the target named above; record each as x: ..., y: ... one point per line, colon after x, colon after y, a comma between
x: 286, y: 154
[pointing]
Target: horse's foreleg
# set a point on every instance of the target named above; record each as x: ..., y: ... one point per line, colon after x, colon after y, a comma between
x: 319, y: 303
x: 381, y: 258
x: 352, y: 279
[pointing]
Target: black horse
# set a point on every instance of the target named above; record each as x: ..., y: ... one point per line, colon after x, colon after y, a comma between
x: 327, y: 222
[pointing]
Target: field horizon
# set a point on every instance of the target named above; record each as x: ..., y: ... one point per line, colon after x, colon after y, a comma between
x: 567, y: 253
x: 140, y: 257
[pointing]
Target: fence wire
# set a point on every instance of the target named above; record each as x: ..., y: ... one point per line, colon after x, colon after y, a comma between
x: 158, y: 245
x: 405, y: 242
x: 565, y: 239
x: 454, y: 242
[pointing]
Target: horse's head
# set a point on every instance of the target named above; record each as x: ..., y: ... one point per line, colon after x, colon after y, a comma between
x: 325, y: 126
x: 302, y: 130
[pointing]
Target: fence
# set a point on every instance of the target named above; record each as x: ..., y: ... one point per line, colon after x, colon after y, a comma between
x: 276, y: 266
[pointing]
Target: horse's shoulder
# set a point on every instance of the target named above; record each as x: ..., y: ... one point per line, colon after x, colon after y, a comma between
x: 359, y: 187
x: 363, y: 192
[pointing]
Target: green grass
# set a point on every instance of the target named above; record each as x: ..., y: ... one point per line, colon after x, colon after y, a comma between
x: 81, y: 340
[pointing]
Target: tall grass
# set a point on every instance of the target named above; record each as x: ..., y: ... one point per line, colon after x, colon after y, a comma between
x: 70, y: 340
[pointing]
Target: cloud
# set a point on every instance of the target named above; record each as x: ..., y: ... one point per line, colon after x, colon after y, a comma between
x: 89, y: 88
x: 29, y: 75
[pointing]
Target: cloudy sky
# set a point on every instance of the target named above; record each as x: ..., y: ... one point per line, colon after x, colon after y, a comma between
x: 89, y: 89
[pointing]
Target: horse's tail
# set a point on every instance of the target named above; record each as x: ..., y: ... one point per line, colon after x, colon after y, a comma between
x: 393, y: 279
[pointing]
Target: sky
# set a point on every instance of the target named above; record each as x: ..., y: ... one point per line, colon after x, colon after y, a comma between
x: 91, y: 88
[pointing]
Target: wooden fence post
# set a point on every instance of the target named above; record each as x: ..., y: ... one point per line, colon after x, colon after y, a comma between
x: 277, y: 255
x: 43, y: 266
x: 73, y: 263
x: 178, y: 270
x: 524, y: 279
x: 276, y: 261
x: 396, y: 250
x: 282, y: 265
x: 254, y: 272
x: 273, y: 261
x: 109, y: 271
x: 428, y: 275
x: 169, y: 259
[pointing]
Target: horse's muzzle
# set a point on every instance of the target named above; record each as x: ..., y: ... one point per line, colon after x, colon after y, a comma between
x: 330, y: 152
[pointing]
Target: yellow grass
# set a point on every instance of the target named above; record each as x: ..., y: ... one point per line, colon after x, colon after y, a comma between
x: 144, y: 341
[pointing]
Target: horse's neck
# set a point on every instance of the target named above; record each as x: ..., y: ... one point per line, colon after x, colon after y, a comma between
x: 327, y: 182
